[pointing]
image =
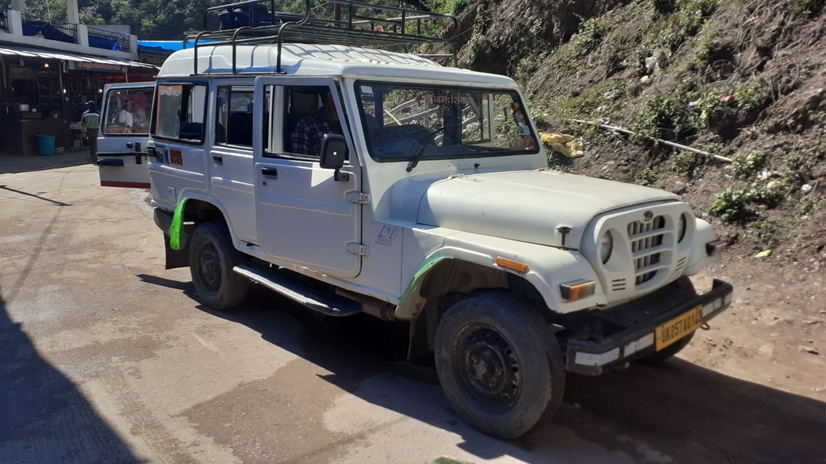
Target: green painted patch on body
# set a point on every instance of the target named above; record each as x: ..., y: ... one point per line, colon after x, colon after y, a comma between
x: 177, y: 235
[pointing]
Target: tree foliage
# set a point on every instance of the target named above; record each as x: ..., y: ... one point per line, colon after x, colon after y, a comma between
x: 155, y: 19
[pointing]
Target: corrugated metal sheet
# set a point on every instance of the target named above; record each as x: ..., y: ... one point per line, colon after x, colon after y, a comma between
x: 51, y: 55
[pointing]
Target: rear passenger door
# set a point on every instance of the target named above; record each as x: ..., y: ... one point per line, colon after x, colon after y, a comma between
x: 122, y: 159
x: 179, y: 163
x: 230, y: 154
x: 305, y: 217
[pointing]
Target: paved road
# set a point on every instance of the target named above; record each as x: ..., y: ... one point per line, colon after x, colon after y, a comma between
x: 107, y: 357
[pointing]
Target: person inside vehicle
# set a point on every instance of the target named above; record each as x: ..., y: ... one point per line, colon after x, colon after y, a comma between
x: 309, y: 131
x: 125, y: 118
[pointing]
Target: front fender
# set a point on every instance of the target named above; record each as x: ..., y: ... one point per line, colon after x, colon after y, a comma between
x: 700, y: 256
x: 548, y: 267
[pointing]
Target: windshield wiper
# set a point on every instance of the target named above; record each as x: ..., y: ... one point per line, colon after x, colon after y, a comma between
x: 423, y: 143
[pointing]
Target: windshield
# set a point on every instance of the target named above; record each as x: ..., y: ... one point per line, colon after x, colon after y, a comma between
x: 413, y: 123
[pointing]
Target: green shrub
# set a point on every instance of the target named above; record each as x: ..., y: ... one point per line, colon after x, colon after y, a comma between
x: 706, y: 50
x: 665, y: 117
x: 744, y: 167
x: 686, y: 162
x: 769, y: 194
x: 750, y: 98
x: 589, y: 36
x: 731, y: 205
x: 646, y: 178
x: 798, y: 165
x: 711, y: 107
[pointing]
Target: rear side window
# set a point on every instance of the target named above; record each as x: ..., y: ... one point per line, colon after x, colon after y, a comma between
x: 127, y: 111
x: 179, y: 112
x: 233, y: 117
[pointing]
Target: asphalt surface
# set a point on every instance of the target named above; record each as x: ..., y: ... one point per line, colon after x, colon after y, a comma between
x: 107, y: 357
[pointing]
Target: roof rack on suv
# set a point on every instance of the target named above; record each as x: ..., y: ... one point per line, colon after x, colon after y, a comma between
x: 340, y: 22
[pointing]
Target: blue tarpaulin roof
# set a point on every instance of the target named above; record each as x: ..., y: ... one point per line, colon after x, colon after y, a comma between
x: 163, y: 46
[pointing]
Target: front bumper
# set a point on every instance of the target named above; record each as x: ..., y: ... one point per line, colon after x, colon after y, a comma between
x: 641, y: 319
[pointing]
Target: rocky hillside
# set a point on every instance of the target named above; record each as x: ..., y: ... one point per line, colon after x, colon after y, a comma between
x: 743, y: 80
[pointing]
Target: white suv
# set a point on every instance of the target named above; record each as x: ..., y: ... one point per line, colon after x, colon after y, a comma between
x: 434, y: 206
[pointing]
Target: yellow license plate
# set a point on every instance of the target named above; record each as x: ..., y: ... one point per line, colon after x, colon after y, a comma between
x: 679, y: 327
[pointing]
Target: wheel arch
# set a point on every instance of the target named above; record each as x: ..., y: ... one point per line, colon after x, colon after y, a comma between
x: 190, y: 211
x: 444, y: 280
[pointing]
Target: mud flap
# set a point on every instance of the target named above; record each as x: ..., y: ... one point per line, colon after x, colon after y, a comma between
x: 175, y: 258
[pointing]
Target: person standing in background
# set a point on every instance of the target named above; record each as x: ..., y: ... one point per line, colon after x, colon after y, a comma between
x: 89, y: 125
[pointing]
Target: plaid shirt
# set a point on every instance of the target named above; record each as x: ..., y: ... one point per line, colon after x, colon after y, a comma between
x: 307, y: 134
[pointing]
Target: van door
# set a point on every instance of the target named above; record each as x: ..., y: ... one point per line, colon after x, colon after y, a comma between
x: 230, y: 156
x: 305, y: 216
x: 123, y: 135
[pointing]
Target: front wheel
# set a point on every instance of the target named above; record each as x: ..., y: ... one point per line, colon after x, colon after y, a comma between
x: 211, y: 259
x: 499, y: 364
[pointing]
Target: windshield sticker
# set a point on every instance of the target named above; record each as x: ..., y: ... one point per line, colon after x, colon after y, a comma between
x: 519, y: 119
x: 529, y: 141
x: 445, y: 100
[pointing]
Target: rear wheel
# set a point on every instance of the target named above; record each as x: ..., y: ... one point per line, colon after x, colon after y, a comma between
x: 499, y: 364
x: 211, y: 258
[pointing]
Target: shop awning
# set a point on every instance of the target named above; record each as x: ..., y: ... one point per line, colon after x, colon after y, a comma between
x: 80, y: 62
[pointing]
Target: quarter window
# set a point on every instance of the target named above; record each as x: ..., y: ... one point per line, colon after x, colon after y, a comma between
x: 180, y: 112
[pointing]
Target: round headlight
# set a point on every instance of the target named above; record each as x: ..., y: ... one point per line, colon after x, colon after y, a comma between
x: 606, y: 245
x: 681, y: 227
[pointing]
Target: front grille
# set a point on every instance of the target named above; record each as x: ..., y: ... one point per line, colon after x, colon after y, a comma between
x: 646, y: 245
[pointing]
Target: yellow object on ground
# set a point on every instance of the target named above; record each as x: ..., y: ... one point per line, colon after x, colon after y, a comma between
x: 566, y: 144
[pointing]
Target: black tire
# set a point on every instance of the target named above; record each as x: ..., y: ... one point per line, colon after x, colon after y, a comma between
x: 211, y: 259
x: 683, y: 283
x: 499, y: 364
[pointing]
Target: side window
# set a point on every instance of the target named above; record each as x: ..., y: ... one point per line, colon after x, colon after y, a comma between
x: 180, y: 112
x: 310, y: 114
x: 127, y: 112
x: 233, y: 118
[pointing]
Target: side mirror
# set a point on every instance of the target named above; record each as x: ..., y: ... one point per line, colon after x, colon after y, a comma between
x: 333, y: 154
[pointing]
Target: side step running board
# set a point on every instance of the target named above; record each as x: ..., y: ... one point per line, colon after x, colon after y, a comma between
x: 298, y: 291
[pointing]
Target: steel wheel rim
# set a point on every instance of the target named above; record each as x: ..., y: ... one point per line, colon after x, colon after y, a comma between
x: 488, y: 368
x: 209, y: 266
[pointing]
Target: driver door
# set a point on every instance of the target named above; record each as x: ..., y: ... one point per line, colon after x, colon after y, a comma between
x: 305, y: 216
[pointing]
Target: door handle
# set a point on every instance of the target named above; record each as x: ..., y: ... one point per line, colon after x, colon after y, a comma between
x: 270, y: 172
x: 109, y: 162
x: 218, y: 158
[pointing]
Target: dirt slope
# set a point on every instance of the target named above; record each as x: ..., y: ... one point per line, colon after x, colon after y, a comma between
x: 741, y: 80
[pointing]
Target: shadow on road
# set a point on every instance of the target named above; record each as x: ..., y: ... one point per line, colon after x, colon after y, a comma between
x: 43, y: 416
x: 686, y: 412
x: 11, y: 164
